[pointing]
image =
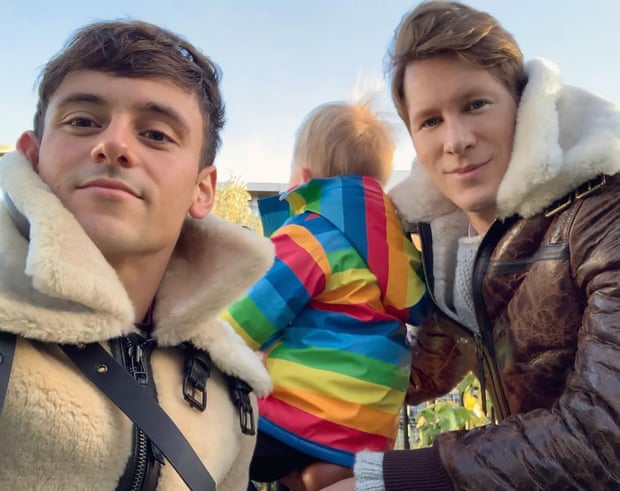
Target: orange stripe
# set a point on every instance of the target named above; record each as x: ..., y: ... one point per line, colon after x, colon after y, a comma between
x: 352, y: 415
x: 305, y: 240
x: 319, y: 430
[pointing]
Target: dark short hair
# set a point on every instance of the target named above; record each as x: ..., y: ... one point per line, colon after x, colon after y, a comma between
x: 436, y: 28
x: 138, y: 49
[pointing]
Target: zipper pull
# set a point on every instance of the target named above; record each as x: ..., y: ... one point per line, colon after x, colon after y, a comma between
x: 136, y: 356
x: 481, y: 377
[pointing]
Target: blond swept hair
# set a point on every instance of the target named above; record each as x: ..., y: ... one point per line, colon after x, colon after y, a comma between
x: 436, y: 28
x: 341, y: 138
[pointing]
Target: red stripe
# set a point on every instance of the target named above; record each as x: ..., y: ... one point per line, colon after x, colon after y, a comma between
x: 376, y: 222
x: 301, y: 262
x: 319, y: 430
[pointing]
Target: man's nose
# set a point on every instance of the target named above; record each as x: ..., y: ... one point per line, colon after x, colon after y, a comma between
x: 114, y: 146
x: 458, y: 137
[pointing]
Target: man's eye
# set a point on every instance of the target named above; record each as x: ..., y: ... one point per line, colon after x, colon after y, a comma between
x: 81, y: 123
x: 157, y: 136
x: 477, y: 104
x: 430, y: 122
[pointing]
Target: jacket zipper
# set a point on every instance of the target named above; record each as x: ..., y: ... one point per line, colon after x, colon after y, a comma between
x: 483, y: 345
x: 146, y: 457
x: 137, y: 370
x: 480, y: 360
x: 481, y: 263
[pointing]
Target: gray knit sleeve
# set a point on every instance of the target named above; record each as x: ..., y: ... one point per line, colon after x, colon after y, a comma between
x: 368, y: 471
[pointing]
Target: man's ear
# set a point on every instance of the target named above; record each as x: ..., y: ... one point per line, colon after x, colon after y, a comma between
x: 28, y: 144
x: 204, y: 193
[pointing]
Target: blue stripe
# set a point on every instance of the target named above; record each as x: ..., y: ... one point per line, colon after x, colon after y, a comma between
x: 288, y: 285
x: 355, y: 224
x: 270, y: 302
x: 346, y: 322
x: 377, y: 346
x: 317, y: 450
x: 273, y: 213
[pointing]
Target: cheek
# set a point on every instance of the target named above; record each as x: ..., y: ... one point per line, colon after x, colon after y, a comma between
x: 46, y: 172
x: 509, y: 136
x: 49, y: 162
x: 180, y: 185
x: 430, y: 161
x: 428, y: 148
x: 507, y: 139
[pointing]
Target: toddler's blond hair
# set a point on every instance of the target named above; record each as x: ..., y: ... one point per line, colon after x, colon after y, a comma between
x: 341, y: 138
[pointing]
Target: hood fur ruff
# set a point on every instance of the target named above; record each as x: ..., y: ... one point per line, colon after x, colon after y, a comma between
x: 564, y: 137
x: 59, y: 288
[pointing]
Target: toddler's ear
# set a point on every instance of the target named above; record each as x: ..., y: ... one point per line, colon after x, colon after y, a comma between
x: 306, y: 174
x: 299, y: 175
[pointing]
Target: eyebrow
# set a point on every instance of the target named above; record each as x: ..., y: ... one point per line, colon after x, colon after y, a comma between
x: 81, y: 97
x: 166, y: 111
x: 469, y: 93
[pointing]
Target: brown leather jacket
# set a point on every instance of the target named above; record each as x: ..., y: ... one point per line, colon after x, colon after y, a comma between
x: 547, y: 292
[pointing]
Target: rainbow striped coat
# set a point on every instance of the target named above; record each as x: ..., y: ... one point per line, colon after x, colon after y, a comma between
x: 330, y: 316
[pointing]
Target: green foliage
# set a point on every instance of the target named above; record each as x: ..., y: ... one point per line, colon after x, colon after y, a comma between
x: 232, y: 203
x: 445, y: 415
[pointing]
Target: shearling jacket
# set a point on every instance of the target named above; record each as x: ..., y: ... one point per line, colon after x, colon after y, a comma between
x: 546, y: 290
x: 59, y: 432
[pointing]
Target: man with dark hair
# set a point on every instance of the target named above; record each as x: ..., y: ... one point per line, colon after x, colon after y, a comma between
x: 106, y: 240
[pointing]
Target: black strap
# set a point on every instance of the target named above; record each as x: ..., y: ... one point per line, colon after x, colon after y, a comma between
x: 7, y: 351
x: 115, y: 382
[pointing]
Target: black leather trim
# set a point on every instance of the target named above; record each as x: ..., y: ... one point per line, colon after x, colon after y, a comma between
x: 546, y: 253
x: 7, y: 352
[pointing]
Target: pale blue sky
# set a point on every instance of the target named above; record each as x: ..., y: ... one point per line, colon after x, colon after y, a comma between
x: 282, y: 58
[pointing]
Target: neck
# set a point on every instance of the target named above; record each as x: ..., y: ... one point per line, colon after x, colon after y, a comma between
x: 141, y: 278
x: 481, y: 222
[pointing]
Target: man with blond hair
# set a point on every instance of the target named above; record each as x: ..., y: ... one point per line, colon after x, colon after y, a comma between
x: 515, y: 193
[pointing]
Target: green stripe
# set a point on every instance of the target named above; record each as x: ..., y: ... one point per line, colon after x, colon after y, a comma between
x: 344, y: 259
x: 252, y: 320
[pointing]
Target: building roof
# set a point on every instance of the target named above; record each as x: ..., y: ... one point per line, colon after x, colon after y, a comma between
x: 261, y: 189
x: 6, y: 148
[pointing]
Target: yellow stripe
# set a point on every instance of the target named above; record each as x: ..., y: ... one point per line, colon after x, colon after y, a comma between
x: 354, y: 286
x: 334, y: 385
x: 226, y: 317
x: 356, y: 416
x: 405, y: 287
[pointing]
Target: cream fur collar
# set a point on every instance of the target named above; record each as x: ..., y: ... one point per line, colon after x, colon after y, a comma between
x: 59, y: 288
x: 564, y: 137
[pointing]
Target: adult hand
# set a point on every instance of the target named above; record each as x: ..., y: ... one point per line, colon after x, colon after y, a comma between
x: 345, y: 485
